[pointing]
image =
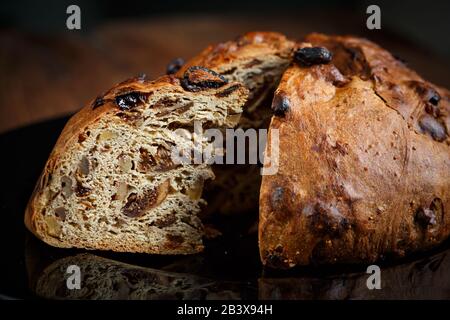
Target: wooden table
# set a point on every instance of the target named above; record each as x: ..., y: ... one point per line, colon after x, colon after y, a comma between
x: 47, y: 76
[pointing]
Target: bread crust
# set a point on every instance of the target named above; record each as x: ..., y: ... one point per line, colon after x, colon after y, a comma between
x: 252, y: 44
x: 362, y: 176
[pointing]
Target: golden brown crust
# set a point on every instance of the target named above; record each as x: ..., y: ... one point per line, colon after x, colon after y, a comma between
x: 221, y: 56
x: 364, y: 169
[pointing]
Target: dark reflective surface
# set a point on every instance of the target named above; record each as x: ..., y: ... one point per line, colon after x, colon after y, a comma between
x: 105, y: 278
x: 426, y: 278
x: 228, y: 269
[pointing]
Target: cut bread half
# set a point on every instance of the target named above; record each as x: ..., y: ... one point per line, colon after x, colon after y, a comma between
x: 364, y: 166
x: 111, y: 182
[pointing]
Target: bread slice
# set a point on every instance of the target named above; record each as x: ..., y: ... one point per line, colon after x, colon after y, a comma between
x: 256, y: 59
x: 364, y: 167
x: 111, y: 183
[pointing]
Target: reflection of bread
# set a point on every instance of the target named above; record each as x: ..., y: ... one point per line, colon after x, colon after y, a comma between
x: 424, y: 279
x: 364, y: 169
x: 108, y: 279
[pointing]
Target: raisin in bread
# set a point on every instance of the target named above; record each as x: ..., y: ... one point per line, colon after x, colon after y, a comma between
x: 111, y: 182
x: 256, y: 59
x: 364, y: 167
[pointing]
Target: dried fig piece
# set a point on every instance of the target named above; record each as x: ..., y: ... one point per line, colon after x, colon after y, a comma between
x: 164, y: 160
x: 161, y: 161
x: 147, y: 160
x: 137, y: 206
x: 198, y: 78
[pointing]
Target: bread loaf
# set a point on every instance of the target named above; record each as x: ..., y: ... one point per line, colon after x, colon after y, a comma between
x: 364, y: 167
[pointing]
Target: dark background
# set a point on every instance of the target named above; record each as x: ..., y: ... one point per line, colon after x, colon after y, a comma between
x: 47, y: 70
x: 426, y: 22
